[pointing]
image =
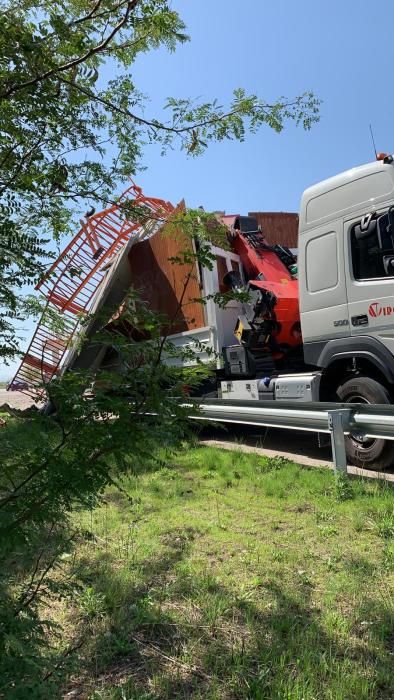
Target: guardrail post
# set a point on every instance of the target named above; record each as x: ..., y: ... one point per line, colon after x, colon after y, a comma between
x: 338, y: 420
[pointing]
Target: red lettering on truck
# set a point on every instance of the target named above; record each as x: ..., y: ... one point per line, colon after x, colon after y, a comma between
x: 376, y: 309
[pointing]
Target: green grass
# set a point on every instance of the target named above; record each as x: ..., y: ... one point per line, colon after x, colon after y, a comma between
x: 224, y: 575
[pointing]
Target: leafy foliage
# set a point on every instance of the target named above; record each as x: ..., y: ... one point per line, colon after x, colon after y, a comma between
x: 69, y: 135
x: 85, y: 446
x: 20, y: 262
x: 92, y: 440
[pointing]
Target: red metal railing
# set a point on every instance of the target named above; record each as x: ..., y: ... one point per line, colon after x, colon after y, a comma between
x: 72, y: 281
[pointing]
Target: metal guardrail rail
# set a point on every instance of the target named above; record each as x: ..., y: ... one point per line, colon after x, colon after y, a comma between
x: 337, y: 419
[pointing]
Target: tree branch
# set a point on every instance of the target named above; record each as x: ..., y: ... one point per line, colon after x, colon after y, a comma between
x: 35, y: 472
x: 89, y: 16
x: 25, y: 595
x: 155, y: 125
x: 67, y: 653
x: 23, y: 162
x: 76, y: 61
x: 27, y: 601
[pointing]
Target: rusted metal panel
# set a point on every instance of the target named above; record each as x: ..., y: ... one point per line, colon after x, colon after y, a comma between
x: 222, y: 271
x: 169, y: 288
x: 278, y: 227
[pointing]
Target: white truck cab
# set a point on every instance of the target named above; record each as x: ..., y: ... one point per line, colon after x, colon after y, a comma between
x: 346, y: 288
x: 346, y: 285
x: 346, y: 304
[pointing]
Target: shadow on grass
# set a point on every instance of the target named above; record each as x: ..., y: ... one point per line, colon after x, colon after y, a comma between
x: 184, y: 634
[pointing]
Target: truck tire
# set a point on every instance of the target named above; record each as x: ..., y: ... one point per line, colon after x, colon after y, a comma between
x: 370, y: 453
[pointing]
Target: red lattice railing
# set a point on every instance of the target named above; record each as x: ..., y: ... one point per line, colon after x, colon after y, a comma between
x: 73, y: 280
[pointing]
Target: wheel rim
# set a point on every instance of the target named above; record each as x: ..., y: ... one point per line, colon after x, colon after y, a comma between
x: 360, y: 442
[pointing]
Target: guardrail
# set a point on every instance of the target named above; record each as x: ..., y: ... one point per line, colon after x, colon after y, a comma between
x: 337, y: 419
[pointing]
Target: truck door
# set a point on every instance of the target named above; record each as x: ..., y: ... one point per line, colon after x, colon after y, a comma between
x: 369, y: 244
x: 227, y: 316
x: 221, y: 321
x: 322, y: 284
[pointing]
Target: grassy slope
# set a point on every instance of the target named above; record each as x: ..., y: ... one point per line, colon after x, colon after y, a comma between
x: 232, y: 577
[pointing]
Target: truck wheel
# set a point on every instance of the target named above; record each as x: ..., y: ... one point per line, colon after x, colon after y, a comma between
x: 364, y: 452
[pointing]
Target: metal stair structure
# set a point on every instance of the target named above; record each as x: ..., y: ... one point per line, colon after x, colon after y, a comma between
x: 74, y: 279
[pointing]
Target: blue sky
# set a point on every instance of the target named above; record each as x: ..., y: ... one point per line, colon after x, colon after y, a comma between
x: 340, y: 50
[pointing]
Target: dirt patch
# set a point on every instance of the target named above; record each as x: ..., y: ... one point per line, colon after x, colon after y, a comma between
x: 15, y: 399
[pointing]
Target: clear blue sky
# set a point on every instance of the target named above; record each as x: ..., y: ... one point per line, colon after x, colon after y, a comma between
x: 340, y: 50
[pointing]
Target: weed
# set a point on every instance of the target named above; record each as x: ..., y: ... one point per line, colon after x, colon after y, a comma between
x: 343, y: 489
x: 327, y: 530
x: 359, y: 522
x: 388, y: 557
x: 91, y: 603
x: 278, y: 555
x: 325, y: 516
x: 333, y: 562
x: 305, y: 577
x: 385, y: 523
x: 273, y: 464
